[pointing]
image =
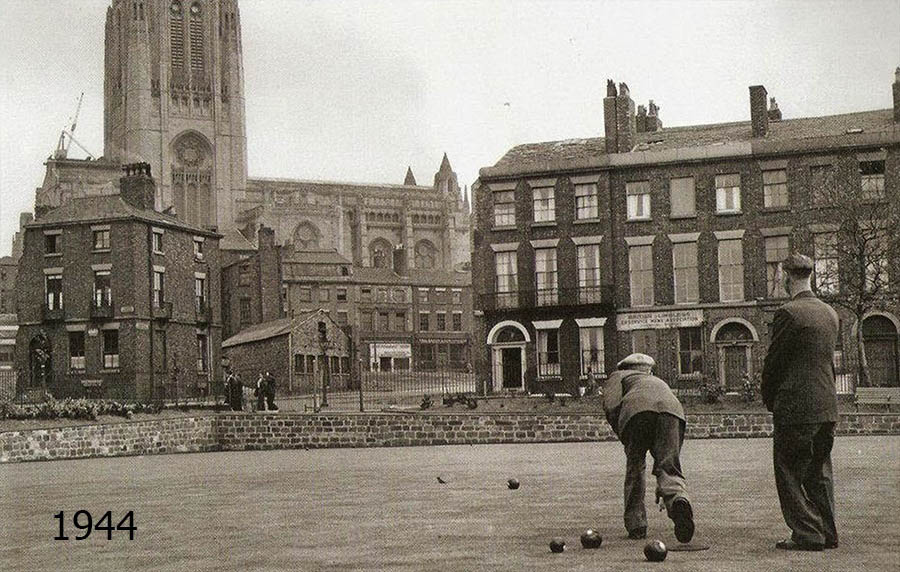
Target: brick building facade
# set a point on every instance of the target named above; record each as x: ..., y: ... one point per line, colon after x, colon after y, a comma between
x: 667, y: 241
x: 118, y: 300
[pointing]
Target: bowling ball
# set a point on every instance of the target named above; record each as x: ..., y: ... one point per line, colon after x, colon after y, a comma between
x: 655, y: 551
x: 513, y: 483
x: 591, y: 539
x: 557, y: 545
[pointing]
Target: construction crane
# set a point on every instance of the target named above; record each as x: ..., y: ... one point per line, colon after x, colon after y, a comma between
x: 66, y: 137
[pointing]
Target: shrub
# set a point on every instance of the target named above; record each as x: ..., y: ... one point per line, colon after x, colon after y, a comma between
x: 711, y: 392
x: 750, y: 388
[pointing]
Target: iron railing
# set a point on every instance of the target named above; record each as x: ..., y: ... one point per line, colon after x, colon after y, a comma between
x: 533, y: 298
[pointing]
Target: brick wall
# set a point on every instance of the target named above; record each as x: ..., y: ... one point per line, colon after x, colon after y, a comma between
x: 238, y: 432
x: 177, y: 435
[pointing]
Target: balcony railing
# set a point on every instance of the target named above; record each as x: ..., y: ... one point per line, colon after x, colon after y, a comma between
x: 53, y: 314
x: 101, y: 306
x: 548, y: 364
x: 547, y: 297
x: 202, y: 310
x: 163, y: 311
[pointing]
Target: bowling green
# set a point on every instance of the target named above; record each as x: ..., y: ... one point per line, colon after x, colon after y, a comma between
x: 384, y: 509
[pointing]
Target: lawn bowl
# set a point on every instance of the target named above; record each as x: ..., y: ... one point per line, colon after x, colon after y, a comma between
x: 513, y: 484
x: 655, y: 551
x: 591, y: 539
x: 557, y: 545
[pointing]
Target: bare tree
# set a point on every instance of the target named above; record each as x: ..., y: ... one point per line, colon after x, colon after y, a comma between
x: 855, y: 225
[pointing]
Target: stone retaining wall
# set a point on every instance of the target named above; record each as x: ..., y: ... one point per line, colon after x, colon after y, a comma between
x: 246, y: 431
x: 172, y: 435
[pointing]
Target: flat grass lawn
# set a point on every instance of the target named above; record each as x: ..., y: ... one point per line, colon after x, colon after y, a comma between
x: 383, y: 509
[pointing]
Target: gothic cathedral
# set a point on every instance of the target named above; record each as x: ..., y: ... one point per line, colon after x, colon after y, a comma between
x: 174, y: 97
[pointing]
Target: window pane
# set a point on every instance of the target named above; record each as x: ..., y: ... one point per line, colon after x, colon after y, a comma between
x: 731, y: 271
x: 684, y: 264
x: 640, y: 259
x: 586, y: 201
x: 682, y: 196
x: 775, y: 193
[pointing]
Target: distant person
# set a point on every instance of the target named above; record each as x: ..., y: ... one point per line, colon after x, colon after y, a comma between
x: 646, y: 416
x: 260, y: 393
x: 798, y: 388
x: 232, y: 395
x: 269, y: 385
x: 237, y: 393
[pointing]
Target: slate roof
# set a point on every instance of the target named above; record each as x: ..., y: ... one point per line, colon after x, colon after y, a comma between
x: 273, y: 328
x: 528, y: 155
x: 233, y: 239
x: 415, y: 277
x: 316, y: 257
x: 110, y: 207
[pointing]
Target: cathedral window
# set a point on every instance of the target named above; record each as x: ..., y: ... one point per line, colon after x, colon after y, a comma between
x: 380, y: 252
x: 426, y: 254
x: 306, y: 237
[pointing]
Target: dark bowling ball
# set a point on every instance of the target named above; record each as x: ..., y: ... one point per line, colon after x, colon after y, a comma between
x: 655, y: 551
x: 513, y: 483
x: 557, y: 545
x: 591, y: 539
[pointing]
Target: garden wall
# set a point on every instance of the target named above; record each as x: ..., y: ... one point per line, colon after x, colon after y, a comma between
x: 245, y: 431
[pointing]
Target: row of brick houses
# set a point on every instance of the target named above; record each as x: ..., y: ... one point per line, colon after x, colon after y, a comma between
x: 667, y: 241
x: 398, y: 318
x: 118, y: 300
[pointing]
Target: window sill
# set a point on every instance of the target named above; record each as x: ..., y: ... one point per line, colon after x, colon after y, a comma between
x: 159, y: 252
x: 549, y: 378
x: 587, y: 221
x: 53, y: 254
x: 100, y: 250
x: 598, y: 375
x: 110, y: 370
x: 543, y: 223
x: 513, y: 227
x: 642, y: 219
x: 682, y: 216
x: 780, y: 209
x: 729, y: 213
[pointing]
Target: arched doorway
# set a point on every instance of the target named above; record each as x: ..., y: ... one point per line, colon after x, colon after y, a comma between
x: 734, y: 341
x: 507, y: 342
x: 881, y: 341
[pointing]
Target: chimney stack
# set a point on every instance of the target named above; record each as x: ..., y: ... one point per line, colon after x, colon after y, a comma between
x: 897, y: 96
x: 137, y: 187
x: 774, y: 112
x: 759, y: 116
x: 648, y: 121
x: 619, y: 118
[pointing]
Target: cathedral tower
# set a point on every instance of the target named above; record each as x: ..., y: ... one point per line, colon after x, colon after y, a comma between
x: 174, y: 97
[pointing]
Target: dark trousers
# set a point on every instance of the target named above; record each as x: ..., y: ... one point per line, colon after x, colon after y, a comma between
x: 661, y: 434
x: 803, y: 476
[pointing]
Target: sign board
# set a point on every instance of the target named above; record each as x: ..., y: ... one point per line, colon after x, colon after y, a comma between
x: 663, y: 320
x: 380, y: 350
x: 91, y: 382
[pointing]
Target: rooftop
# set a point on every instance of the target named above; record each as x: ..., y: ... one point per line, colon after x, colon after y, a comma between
x: 272, y: 328
x: 847, y: 128
x: 110, y: 207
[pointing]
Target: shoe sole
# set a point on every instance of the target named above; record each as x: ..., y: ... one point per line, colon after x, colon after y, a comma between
x: 683, y: 515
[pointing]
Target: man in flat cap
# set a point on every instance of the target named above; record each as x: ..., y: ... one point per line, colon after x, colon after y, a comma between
x: 798, y: 388
x: 646, y: 415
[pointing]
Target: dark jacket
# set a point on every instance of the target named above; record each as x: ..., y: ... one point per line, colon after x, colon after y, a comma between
x: 798, y: 375
x: 629, y: 392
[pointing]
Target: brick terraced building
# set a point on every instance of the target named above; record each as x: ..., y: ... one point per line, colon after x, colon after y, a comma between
x: 118, y: 300
x: 668, y: 241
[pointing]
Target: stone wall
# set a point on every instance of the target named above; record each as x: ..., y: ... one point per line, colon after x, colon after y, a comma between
x: 243, y: 431
x: 173, y: 435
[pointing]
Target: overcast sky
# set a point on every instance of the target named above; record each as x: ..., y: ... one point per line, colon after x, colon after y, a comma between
x: 356, y: 91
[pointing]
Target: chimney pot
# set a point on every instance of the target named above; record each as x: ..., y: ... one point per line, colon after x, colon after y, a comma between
x: 137, y: 187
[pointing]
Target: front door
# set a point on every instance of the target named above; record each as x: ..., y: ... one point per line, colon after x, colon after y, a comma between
x: 735, y: 367
x: 882, y: 357
x: 512, y: 368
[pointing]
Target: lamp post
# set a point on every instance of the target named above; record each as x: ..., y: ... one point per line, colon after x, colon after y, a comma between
x: 325, y: 344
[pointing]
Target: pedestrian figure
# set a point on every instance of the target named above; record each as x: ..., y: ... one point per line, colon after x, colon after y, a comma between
x: 646, y: 416
x: 269, y: 383
x: 235, y: 392
x: 798, y: 388
x: 260, y: 393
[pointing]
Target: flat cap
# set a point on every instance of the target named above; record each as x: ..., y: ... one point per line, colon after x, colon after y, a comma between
x: 797, y: 261
x: 636, y: 360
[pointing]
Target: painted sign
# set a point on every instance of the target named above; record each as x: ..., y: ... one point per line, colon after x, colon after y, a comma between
x: 391, y: 350
x: 663, y: 320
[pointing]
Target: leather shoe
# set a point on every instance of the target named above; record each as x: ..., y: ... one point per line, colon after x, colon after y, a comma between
x: 830, y: 545
x: 637, y: 533
x: 791, y: 545
x: 683, y: 515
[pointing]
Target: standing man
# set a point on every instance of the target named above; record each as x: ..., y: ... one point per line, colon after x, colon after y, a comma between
x: 646, y: 415
x: 269, y: 383
x: 798, y: 388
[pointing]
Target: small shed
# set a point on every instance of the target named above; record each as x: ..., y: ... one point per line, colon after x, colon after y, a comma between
x: 296, y: 351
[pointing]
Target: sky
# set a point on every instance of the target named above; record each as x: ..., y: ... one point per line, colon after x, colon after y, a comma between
x: 358, y: 91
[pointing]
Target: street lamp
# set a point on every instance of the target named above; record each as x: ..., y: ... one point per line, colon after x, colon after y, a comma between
x: 325, y: 344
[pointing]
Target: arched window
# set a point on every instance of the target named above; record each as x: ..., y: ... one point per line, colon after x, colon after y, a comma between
x: 191, y: 178
x: 306, y: 237
x: 426, y: 255
x: 380, y: 253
